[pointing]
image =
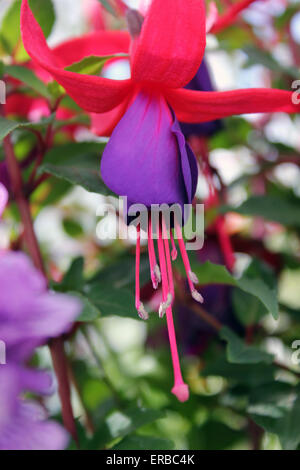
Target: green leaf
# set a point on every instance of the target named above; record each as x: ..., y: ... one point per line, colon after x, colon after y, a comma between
x: 137, y: 442
x: 89, y: 311
x: 77, y: 164
x: 240, y: 353
x: 87, y: 177
x: 248, y: 374
x: 72, y: 227
x: 92, y: 65
x: 209, y: 273
x: 120, y: 273
x: 272, y: 208
x: 264, y: 293
x: 111, y: 301
x: 10, y: 34
x: 28, y: 77
x: 7, y: 126
x: 73, y: 279
x: 121, y: 423
x: 247, y: 308
x: 286, y: 426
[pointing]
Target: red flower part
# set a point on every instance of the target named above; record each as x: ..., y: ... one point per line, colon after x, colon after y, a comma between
x: 167, y: 39
x: 84, y: 89
x: 171, y: 46
x: 230, y: 16
x: 202, y: 106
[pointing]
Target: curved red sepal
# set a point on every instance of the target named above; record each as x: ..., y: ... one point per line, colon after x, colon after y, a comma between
x: 171, y: 46
x: 200, y: 106
x: 228, y: 18
x: 94, y: 94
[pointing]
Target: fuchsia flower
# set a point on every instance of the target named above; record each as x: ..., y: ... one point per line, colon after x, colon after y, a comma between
x: 147, y: 158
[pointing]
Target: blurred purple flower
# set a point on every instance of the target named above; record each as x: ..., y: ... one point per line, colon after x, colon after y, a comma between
x: 29, y: 313
x: 22, y: 423
x: 201, y: 82
x: 3, y: 198
x: 4, y: 176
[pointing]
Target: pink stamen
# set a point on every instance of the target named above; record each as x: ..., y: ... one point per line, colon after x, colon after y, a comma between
x: 138, y: 304
x: 154, y: 268
x: 191, y: 277
x: 180, y: 389
x: 168, y: 258
x: 174, y: 249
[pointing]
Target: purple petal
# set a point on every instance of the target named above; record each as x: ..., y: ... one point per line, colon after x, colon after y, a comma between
x: 28, y: 431
x: 3, y: 198
x: 146, y: 158
x: 20, y: 282
x: 9, y: 391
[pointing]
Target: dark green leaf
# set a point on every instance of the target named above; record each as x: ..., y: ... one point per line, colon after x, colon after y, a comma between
x: 240, y: 353
x: 89, y: 311
x: 73, y: 279
x: 112, y: 301
x: 137, y: 442
x: 209, y: 273
x: 248, y: 374
x: 92, y: 65
x: 77, y: 164
x: 28, y: 77
x: 7, y: 126
x: 121, y: 423
x: 285, y: 424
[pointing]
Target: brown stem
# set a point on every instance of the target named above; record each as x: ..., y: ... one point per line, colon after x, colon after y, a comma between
x: 87, y: 418
x: 56, y: 345
x: 17, y: 190
x: 60, y: 365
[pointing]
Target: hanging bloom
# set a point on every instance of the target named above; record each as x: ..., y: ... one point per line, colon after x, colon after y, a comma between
x: 29, y: 314
x: 147, y: 158
x: 23, y: 424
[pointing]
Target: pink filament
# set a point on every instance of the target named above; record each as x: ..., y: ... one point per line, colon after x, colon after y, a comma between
x: 152, y: 256
x: 137, y: 268
x: 174, y: 250
x: 168, y: 258
x: 180, y: 389
x: 186, y: 261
